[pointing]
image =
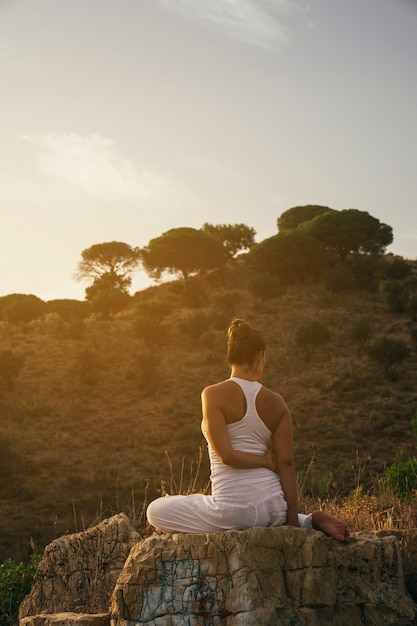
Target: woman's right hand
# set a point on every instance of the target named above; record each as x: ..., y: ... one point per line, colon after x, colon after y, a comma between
x: 270, y: 461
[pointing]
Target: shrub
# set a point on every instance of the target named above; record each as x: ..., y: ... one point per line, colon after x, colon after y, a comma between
x: 10, y: 366
x: 361, y: 331
x: 266, y: 286
x: 150, y: 329
x: 395, y: 293
x: 397, y: 269
x: 389, y: 354
x: 195, y: 325
x: 311, y: 335
x: 15, y: 583
x: 21, y: 308
x: 87, y: 366
x: 338, y: 278
x: 401, y: 478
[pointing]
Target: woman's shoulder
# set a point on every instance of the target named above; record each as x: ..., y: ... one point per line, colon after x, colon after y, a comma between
x: 218, y: 388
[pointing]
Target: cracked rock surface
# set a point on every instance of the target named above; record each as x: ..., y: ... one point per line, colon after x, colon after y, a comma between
x: 262, y: 577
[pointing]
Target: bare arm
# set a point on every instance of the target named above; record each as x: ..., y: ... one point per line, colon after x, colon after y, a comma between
x: 216, y: 428
x: 282, y: 446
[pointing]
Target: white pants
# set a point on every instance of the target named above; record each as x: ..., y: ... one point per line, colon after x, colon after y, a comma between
x: 198, y: 513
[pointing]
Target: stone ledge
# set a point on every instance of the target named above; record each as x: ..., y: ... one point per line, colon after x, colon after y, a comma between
x: 67, y: 619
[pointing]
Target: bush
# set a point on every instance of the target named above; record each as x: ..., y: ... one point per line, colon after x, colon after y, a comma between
x: 266, y: 286
x: 10, y: 366
x: 338, y: 278
x: 311, y: 335
x: 396, y: 294
x: 361, y: 331
x: 389, y: 354
x: 195, y: 325
x: 397, y: 269
x: 401, y: 478
x: 15, y: 583
x: 22, y: 309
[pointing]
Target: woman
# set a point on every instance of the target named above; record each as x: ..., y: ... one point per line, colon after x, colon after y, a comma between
x: 252, y: 485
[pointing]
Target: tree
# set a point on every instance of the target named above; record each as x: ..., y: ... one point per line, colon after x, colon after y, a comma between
x: 293, y: 256
x: 311, y: 335
x: 349, y: 231
x: 292, y: 218
x: 182, y: 251
x: 110, y: 265
x: 106, y: 297
x: 389, y: 353
x: 115, y: 260
x: 19, y: 308
x: 234, y: 237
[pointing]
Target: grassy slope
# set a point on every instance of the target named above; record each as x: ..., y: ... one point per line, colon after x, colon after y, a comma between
x: 92, y: 415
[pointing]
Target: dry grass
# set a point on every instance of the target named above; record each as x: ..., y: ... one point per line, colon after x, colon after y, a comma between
x: 98, y: 416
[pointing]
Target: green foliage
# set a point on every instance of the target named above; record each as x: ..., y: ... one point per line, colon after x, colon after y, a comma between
x: 21, y: 308
x: 105, y: 298
x: 411, y: 307
x: 396, y: 294
x: 234, y: 237
x: 151, y: 330
x: 389, y: 353
x: 293, y: 256
x: 401, y: 478
x: 338, y: 278
x: 367, y: 270
x: 15, y: 583
x: 349, y: 231
x: 115, y: 260
x: 361, y: 331
x: 11, y: 364
x: 265, y: 286
x: 69, y: 310
x: 291, y: 218
x: 194, y: 325
x: 310, y: 335
x: 195, y: 294
x: 397, y: 269
x: 182, y: 251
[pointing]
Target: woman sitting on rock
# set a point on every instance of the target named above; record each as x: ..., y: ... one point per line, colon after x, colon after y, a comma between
x: 248, y: 429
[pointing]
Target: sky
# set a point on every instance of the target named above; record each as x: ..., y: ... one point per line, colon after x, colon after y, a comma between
x: 121, y: 119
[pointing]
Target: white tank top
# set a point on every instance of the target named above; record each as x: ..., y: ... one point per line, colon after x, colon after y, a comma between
x: 249, y: 434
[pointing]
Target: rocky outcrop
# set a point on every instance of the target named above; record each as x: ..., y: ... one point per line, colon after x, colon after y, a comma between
x: 78, y: 572
x: 259, y: 577
x: 262, y: 577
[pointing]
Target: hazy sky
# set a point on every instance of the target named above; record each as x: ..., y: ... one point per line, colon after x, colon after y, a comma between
x: 121, y: 119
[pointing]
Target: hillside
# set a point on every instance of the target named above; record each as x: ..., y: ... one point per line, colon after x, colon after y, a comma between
x: 101, y: 408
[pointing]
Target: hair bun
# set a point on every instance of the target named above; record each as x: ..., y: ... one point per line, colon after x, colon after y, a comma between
x: 239, y: 329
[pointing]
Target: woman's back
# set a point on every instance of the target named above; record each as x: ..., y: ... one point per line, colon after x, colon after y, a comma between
x: 247, y: 432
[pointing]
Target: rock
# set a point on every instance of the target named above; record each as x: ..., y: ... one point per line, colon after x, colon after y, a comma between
x: 78, y: 572
x: 67, y: 619
x: 407, y: 540
x: 263, y: 577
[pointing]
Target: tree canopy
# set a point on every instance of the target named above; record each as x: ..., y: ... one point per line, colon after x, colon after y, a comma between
x: 115, y: 260
x: 182, y: 251
x: 292, y: 255
x: 292, y: 218
x: 110, y: 265
x: 234, y: 237
x: 349, y: 231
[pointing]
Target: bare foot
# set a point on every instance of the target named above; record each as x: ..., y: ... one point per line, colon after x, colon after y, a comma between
x: 330, y: 525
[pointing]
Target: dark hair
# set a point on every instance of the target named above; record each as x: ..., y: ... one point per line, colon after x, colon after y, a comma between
x: 243, y: 342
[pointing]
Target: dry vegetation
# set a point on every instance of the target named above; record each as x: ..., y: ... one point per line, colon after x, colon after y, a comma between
x: 104, y: 412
